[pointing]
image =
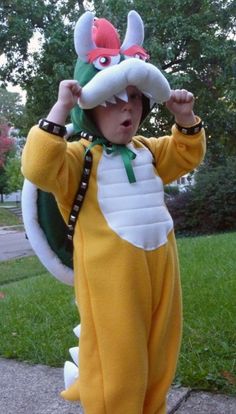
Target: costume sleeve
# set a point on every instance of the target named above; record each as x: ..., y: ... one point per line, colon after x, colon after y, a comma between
x: 177, y: 154
x: 52, y: 164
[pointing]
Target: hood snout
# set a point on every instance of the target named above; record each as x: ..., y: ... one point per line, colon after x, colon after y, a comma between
x: 111, y: 83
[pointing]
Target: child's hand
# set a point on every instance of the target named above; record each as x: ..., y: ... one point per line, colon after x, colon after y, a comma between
x: 181, y: 105
x: 68, y: 94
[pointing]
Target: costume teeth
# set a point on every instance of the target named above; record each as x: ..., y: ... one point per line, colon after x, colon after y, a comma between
x: 152, y: 102
x: 147, y: 94
x: 112, y: 100
x: 150, y: 97
x: 122, y: 95
x: 71, y: 373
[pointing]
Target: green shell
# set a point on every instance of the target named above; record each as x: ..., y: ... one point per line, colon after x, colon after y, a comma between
x: 54, y: 227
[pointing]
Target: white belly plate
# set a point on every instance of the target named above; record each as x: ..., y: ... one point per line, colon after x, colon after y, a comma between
x: 134, y: 211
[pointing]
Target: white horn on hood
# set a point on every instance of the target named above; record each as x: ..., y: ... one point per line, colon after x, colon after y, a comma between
x: 83, y: 36
x: 135, y: 31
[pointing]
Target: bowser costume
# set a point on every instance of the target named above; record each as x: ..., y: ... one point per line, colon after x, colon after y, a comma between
x: 126, y: 272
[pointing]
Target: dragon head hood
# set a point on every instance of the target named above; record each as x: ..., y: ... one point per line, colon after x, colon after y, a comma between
x: 105, y: 68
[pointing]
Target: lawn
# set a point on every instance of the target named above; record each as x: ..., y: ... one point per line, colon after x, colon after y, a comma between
x: 7, y: 218
x: 208, y: 355
x: 37, y: 313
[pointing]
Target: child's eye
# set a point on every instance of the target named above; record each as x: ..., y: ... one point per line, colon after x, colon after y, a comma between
x: 103, y: 62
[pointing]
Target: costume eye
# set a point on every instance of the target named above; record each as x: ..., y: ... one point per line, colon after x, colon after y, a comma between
x: 103, y: 62
x: 137, y: 52
x: 139, y: 56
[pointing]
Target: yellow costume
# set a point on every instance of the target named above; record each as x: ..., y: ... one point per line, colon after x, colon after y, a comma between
x: 125, y: 261
x: 126, y: 266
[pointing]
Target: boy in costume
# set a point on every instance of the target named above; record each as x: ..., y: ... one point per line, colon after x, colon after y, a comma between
x: 125, y: 260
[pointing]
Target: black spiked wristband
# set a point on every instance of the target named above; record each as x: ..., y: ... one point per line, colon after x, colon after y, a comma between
x: 195, y: 129
x: 52, y: 128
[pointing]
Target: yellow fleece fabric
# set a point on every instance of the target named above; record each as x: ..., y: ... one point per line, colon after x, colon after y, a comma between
x: 129, y: 298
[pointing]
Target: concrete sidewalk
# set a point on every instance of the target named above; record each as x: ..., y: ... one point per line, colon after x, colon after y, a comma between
x: 34, y: 389
x: 13, y: 243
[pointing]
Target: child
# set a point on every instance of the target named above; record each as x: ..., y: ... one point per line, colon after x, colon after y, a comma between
x: 125, y: 259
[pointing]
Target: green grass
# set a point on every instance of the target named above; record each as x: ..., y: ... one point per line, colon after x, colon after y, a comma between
x: 208, y: 355
x: 7, y: 218
x: 37, y: 313
x: 13, y: 270
x: 37, y: 319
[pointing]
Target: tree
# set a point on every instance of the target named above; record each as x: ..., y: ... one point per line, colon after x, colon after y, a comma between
x: 7, y: 144
x: 11, y: 107
x: 38, y: 73
x: 194, y: 45
x: 14, y: 177
x: 3, y: 182
x: 7, y: 149
x: 18, y: 21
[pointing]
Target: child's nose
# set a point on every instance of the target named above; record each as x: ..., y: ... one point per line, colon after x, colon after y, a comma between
x: 127, y: 105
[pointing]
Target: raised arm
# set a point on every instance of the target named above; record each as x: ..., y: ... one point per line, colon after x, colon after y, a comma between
x: 183, y: 151
x: 47, y: 160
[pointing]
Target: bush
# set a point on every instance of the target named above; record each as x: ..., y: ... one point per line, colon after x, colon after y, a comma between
x: 210, y: 205
x: 171, y: 190
x: 180, y: 210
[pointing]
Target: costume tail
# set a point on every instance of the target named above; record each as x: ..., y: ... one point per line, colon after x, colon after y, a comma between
x: 71, y: 373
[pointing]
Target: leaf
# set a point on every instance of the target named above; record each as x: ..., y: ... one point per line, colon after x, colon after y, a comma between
x: 2, y: 295
x: 231, y: 378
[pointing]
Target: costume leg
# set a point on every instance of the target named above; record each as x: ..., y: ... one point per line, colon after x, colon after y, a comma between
x: 166, y: 329
x: 115, y: 307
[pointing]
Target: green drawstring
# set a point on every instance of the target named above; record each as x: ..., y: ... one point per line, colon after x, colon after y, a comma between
x: 127, y: 155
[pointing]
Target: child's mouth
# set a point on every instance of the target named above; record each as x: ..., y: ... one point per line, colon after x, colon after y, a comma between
x: 127, y: 123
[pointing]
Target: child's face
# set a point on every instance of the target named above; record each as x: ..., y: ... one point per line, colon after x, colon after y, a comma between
x: 119, y: 122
